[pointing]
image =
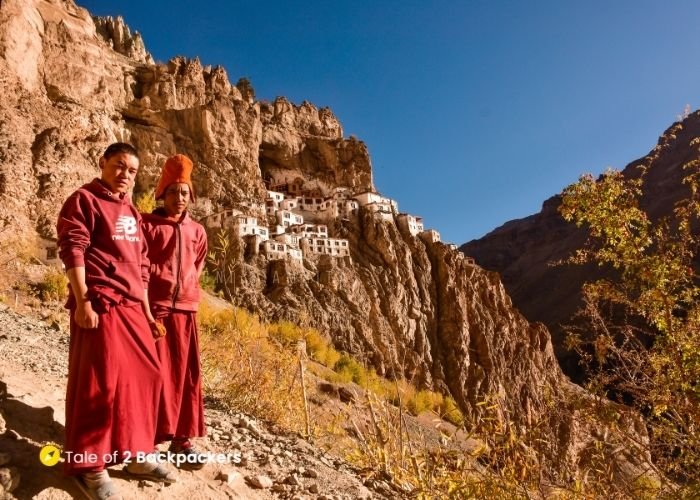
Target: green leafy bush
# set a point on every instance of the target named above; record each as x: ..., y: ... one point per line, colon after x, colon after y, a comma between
x: 639, y: 337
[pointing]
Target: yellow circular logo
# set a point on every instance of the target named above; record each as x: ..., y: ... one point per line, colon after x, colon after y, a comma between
x: 49, y: 455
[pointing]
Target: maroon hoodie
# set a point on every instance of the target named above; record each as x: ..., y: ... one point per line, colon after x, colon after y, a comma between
x: 177, y: 253
x: 102, y: 231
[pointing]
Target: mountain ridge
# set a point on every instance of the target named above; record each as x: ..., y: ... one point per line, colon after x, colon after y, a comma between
x: 524, y: 251
x: 397, y: 298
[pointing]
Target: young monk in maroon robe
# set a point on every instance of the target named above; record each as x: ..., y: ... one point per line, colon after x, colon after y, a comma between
x: 177, y: 249
x: 113, y: 367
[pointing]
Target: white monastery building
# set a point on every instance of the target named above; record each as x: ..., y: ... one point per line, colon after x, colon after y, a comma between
x: 412, y: 224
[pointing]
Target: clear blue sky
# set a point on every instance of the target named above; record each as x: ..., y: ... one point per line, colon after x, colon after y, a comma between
x: 474, y: 111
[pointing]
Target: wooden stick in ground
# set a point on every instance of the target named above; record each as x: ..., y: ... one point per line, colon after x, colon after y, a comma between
x: 378, y: 433
x: 361, y: 436
x: 294, y: 380
x: 414, y: 462
x: 398, y: 395
x: 302, y: 354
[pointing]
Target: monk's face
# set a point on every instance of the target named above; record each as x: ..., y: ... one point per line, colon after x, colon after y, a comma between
x: 119, y: 171
x: 176, y: 199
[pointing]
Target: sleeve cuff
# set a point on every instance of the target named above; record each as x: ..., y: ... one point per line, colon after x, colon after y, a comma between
x: 74, y: 260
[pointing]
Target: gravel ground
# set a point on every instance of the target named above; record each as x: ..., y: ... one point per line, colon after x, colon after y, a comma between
x: 33, y: 366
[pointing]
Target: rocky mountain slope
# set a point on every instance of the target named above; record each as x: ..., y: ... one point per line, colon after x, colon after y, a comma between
x: 272, y: 464
x: 523, y: 251
x: 407, y: 305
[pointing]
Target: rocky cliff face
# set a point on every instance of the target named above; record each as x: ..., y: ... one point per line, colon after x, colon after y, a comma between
x: 524, y: 251
x: 408, y: 305
x: 310, y: 142
x: 71, y: 86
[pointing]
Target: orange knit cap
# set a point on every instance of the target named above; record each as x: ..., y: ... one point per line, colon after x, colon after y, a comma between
x: 177, y: 168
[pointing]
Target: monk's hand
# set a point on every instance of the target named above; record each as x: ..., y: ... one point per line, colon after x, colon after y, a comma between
x: 157, y: 329
x: 85, y: 315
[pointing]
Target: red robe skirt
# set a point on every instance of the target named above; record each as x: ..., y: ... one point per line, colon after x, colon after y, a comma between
x: 181, y: 412
x: 113, y: 389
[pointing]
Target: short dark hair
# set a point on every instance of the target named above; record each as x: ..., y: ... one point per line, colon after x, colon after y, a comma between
x: 120, y: 147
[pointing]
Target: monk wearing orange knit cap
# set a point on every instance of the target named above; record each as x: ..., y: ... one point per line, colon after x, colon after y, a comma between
x: 177, y: 248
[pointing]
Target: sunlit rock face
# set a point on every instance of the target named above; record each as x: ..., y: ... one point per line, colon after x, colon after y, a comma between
x: 401, y: 300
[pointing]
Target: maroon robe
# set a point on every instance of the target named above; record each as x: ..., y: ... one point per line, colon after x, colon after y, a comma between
x: 114, y: 373
x: 177, y: 251
x: 181, y: 412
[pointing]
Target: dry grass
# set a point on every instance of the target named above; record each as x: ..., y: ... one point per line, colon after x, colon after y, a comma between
x: 254, y: 367
x: 348, y: 369
x: 246, y: 370
x: 145, y: 202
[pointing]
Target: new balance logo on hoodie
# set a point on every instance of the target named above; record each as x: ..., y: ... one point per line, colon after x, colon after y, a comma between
x: 124, y: 228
